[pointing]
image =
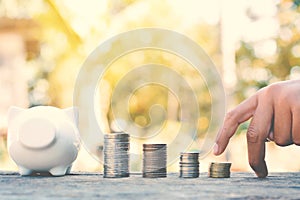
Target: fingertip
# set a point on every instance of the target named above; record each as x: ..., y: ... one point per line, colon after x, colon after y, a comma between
x: 263, y: 173
x: 216, y: 149
x: 220, y: 147
x: 261, y: 170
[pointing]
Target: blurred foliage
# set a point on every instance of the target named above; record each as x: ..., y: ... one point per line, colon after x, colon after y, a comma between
x: 68, y: 36
x: 256, y: 71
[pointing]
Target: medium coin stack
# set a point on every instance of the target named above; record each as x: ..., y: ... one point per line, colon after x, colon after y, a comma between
x: 154, y: 160
x: 219, y: 170
x: 189, y: 165
x: 116, y: 155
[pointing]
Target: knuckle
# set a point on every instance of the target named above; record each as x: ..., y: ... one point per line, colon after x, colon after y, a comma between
x: 270, y: 90
x: 295, y: 105
x: 282, y: 141
x: 275, y: 87
x: 296, y: 140
x: 252, y: 134
x: 230, y: 116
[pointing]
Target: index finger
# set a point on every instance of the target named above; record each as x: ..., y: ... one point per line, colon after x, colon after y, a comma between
x: 233, y: 119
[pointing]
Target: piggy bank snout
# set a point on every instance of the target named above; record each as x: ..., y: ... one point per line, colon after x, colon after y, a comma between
x: 37, y: 133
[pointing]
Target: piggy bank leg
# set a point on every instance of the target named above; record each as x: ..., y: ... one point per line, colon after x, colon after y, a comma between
x: 58, y: 171
x: 24, y: 171
x: 69, y: 169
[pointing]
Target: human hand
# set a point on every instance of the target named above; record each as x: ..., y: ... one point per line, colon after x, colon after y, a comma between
x: 275, y: 112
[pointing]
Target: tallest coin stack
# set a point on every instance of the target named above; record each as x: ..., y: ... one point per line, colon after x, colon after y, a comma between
x: 116, y: 155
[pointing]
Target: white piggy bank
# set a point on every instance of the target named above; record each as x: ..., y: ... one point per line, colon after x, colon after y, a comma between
x: 43, y: 139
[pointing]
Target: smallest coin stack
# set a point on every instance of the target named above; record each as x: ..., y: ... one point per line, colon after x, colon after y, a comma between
x: 219, y: 170
x: 154, y: 160
x: 189, y: 165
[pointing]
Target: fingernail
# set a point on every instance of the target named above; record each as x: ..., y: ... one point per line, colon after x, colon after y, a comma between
x: 216, y: 149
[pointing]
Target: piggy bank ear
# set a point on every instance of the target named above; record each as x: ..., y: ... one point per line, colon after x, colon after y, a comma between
x: 72, y: 112
x: 13, y: 112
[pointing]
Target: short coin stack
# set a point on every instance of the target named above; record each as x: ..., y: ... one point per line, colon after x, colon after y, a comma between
x: 189, y: 165
x: 219, y: 170
x: 154, y: 160
x: 116, y: 155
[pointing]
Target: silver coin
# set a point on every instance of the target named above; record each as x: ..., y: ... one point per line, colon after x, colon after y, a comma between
x: 219, y: 170
x: 116, y: 155
x: 154, y: 145
x: 154, y: 160
x: 189, y: 155
x: 189, y: 165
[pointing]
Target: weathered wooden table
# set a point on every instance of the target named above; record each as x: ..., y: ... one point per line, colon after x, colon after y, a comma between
x: 94, y: 186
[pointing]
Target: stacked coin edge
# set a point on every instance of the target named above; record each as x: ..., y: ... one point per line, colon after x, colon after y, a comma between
x: 189, y: 165
x: 154, y: 160
x: 116, y: 155
x: 219, y: 170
